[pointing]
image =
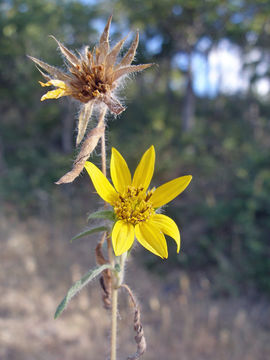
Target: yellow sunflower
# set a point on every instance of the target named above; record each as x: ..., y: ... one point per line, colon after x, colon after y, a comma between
x: 135, y: 206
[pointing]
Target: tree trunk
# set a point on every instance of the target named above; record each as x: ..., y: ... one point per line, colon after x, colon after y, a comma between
x: 2, y: 161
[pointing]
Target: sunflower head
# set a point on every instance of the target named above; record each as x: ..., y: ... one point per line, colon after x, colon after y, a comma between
x: 135, y: 205
x: 92, y: 77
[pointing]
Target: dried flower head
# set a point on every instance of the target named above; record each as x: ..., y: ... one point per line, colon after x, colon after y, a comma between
x: 92, y: 77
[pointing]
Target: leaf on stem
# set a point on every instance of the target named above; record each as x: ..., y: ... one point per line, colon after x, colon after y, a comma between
x: 89, y: 276
x: 89, y: 232
x: 103, y: 214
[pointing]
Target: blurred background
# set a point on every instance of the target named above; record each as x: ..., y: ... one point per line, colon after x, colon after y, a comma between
x: 205, y: 106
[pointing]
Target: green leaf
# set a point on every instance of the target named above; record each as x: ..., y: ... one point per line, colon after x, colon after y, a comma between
x: 89, y: 276
x: 89, y: 232
x: 103, y: 214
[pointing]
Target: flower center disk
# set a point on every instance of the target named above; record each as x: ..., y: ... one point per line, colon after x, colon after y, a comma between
x: 134, y: 205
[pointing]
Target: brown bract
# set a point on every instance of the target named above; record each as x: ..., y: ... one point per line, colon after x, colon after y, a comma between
x: 92, y: 77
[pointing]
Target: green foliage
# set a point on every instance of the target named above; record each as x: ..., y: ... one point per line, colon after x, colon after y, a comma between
x: 102, y: 214
x: 89, y: 232
x: 89, y: 276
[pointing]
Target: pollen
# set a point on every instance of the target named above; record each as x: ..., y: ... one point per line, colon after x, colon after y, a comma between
x: 134, y: 205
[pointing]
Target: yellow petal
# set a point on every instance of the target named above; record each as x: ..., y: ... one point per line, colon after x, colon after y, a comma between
x: 144, y: 172
x: 151, y: 238
x: 120, y: 173
x: 45, y: 84
x: 63, y: 89
x: 102, y: 185
x: 168, y: 191
x: 122, y: 237
x: 54, y: 94
x: 168, y: 227
x: 143, y: 242
x: 54, y: 82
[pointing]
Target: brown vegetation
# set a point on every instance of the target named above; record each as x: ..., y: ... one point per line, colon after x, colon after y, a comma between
x: 181, y: 320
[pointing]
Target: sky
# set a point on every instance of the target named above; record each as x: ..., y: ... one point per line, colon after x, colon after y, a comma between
x: 222, y: 71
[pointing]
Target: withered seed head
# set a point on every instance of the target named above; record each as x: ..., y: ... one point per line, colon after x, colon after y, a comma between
x: 92, y: 77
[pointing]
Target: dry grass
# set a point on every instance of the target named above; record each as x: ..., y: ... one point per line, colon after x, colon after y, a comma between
x: 181, y: 321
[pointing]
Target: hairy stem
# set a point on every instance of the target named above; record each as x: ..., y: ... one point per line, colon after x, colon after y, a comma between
x: 103, y: 143
x: 114, y: 323
x: 110, y: 251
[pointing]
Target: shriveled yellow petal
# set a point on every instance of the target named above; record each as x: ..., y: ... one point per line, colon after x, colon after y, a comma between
x: 168, y: 227
x: 120, y: 173
x: 102, y: 185
x: 150, y: 237
x: 48, y: 83
x: 168, y: 191
x: 122, y: 237
x: 54, y: 94
x: 63, y: 89
x: 58, y: 83
x: 145, y: 169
